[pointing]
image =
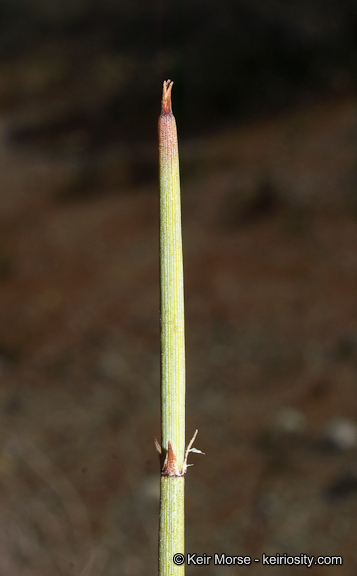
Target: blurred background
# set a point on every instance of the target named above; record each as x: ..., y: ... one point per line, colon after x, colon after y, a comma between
x: 265, y: 99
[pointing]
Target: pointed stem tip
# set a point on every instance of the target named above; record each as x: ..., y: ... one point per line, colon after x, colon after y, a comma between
x: 166, y: 97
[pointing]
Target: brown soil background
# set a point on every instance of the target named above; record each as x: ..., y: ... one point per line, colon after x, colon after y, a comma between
x: 270, y: 247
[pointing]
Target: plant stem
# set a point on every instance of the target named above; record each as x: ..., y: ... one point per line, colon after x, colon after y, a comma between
x: 172, y: 524
x: 171, y: 532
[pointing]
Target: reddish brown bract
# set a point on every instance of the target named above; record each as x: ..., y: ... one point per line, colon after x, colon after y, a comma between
x: 166, y: 98
x: 170, y: 465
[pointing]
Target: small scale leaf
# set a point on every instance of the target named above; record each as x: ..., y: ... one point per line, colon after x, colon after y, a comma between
x: 196, y: 450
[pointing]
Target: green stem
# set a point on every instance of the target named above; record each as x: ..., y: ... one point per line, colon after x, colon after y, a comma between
x: 171, y: 282
x: 171, y: 535
x: 172, y: 525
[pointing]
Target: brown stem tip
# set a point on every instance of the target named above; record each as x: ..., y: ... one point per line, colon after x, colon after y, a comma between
x: 166, y: 97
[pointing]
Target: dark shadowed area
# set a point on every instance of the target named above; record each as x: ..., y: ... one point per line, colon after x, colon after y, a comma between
x: 266, y: 104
